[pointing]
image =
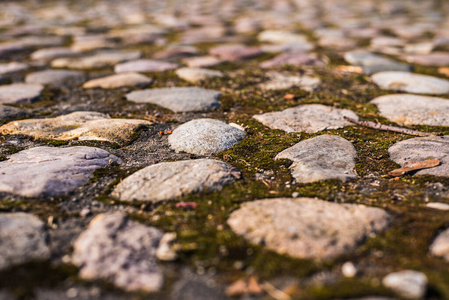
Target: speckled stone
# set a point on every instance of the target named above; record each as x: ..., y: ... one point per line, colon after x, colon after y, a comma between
x: 8, y: 112
x: 18, y: 93
x: 55, y: 78
x: 144, y: 65
x: 411, y: 83
x: 197, y: 74
x: 119, y: 80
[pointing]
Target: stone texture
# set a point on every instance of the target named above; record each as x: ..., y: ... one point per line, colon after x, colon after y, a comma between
x: 235, y: 52
x: 434, y: 59
x: 280, y: 37
x: 55, y: 78
x: 308, y: 117
x: 438, y: 205
x: 169, y: 180
x: 440, y: 246
x: 321, y: 158
x: 18, y: 93
x: 181, y: 99
x: 119, y: 80
x: 122, y: 251
x: 81, y: 125
x: 408, y: 284
x: 22, y: 239
x: 47, y: 54
x: 50, y: 172
x: 306, y: 227
x: 202, y: 61
x: 204, y: 137
x: 8, y: 112
x: 411, y: 83
x: 280, y: 81
x: 372, y: 63
x: 294, y: 59
x: 197, y: 74
x: 144, y: 65
x: 103, y: 59
x: 406, y: 109
x: 12, y: 67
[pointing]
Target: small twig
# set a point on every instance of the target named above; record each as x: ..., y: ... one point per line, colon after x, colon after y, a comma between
x: 379, y: 126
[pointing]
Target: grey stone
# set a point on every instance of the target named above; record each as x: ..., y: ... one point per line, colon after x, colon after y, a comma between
x: 121, y: 251
x: 372, y: 63
x: 308, y: 117
x: 103, y: 59
x: 434, y: 59
x: 280, y: 81
x: 321, y: 158
x: 13, y: 67
x: 235, y: 52
x: 23, y: 239
x: 144, y: 65
x: 306, y: 227
x: 20, y: 93
x: 55, y: 78
x: 196, y: 287
x: 49, y: 172
x: 288, y: 47
x: 178, y: 99
x: 202, y: 61
x: 119, y: 80
x: 48, y: 54
x: 197, y: 74
x: 408, y: 284
x: 406, y: 109
x: 8, y: 112
x: 176, y: 52
x: 205, y: 137
x: 294, y: 59
x: 411, y: 83
x: 440, y: 246
x: 280, y: 37
x: 169, y: 180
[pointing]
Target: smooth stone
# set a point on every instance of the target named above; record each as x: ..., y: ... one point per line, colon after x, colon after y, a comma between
x: 288, y: 47
x: 22, y: 44
x: 104, y: 59
x: 55, y: 78
x: 280, y: 37
x: 411, y: 83
x: 372, y: 63
x: 310, y: 118
x: 18, y: 93
x: 202, y: 61
x: 434, y: 59
x: 143, y: 34
x: 144, y: 65
x: 11, y: 47
x: 13, y: 67
x: 321, y: 158
x: 422, y: 148
x: 280, y: 81
x: 203, y: 34
x: 47, y: 54
x: 292, y: 58
x: 439, y: 206
x: 440, y: 246
x: 340, y: 43
x: 81, y: 125
x: 235, y: 52
x: 307, y: 228
x: 91, y: 42
x: 23, y: 239
x: 8, y: 112
x: 176, y: 53
x: 406, y: 109
x: 121, y: 251
x: 408, y: 284
x: 119, y: 80
x: 178, y: 99
x: 197, y: 74
x: 50, y: 171
x: 169, y: 180
x: 204, y: 137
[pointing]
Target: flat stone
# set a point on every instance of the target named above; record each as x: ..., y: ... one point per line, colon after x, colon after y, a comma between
x: 306, y: 227
x: 340, y: 43
x: 178, y: 99
x: 422, y: 148
x: 294, y: 59
x: 204, y: 137
x: 235, y: 52
x: 48, y: 54
x: 205, y: 34
x: 144, y: 65
x: 440, y: 246
x: 50, y: 171
x: 280, y: 37
x: 81, y: 125
x: 143, y: 34
x: 280, y: 81
x: 321, y: 158
x: 8, y: 112
x: 308, y: 117
x: 406, y: 109
x: 176, y: 53
x: 85, y: 43
x: 13, y: 67
x: 411, y: 83
x: 122, y: 251
x: 104, y: 59
x: 372, y: 63
x: 434, y: 59
x: 23, y: 239
x: 20, y: 93
x: 408, y: 284
x: 119, y: 80
x: 197, y: 74
x: 202, y: 61
x: 298, y: 46
x: 439, y: 206
x: 169, y: 180
x: 55, y: 78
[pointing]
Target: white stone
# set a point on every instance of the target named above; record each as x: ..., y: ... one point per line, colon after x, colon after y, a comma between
x: 411, y: 83
x: 408, y: 284
x: 440, y: 246
x: 438, y: 205
x: 197, y: 74
x: 18, y: 93
x: 55, y: 78
x: 119, y: 80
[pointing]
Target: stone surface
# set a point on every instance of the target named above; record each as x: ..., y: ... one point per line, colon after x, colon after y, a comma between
x: 434, y: 59
x: 55, y: 78
x: 372, y: 63
x: 48, y: 172
x: 280, y: 81
x: 20, y: 93
x: 204, y: 137
x: 47, y: 54
x: 23, y: 239
x: 406, y: 109
x: 280, y: 37
x: 81, y: 125
x: 119, y: 250
x: 306, y: 227
x: 104, y: 59
x: 181, y: 99
x: 440, y: 246
x: 202, y: 61
x: 321, y: 158
x: 144, y: 65
x: 8, y: 112
x: 308, y: 117
x: 169, y: 180
x: 197, y: 74
x: 408, y: 284
x: 438, y: 205
x: 235, y: 52
x: 119, y: 80
x: 411, y: 83
x: 294, y: 59
x: 13, y: 67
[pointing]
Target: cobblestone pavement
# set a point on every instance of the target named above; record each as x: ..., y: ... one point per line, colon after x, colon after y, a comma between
x: 206, y: 149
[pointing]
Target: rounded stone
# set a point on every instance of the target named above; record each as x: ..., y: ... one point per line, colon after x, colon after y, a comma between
x: 440, y: 246
x: 13, y: 67
x: 435, y: 59
x: 197, y: 74
x: 55, y: 78
x: 47, y: 54
x: 144, y: 65
x: 119, y: 80
x: 411, y: 83
x: 408, y: 284
x: 372, y: 63
x: 18, y: 93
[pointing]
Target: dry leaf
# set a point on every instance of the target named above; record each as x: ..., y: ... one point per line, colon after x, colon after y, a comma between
x: 415, y: 165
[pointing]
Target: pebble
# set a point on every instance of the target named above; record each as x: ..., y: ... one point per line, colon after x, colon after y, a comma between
x: 202, y: 61
x: 321, y: 158
x: 294, y: 59
x: 310, y: 118
x: 8, y: 112
x: 13, y: 67
x: 103, y: 59
x: 165, y: 251
x: 49, y: 172
x: 81, y: 125
x: 169, y: 180
x: 411, y: 83
x: 55, y: 78
x: 438, y: 205
x: 440, y: 246
x: 119, y: 80
x: 280, y: 37
x: 372, y: 63
x: 280, y: 81
x: 306, y: 227
x: 48, y: 54
x: 235, y: 52
x: 288, y: 47
x: 348, y: 269
x: 144, y: 65
x: 204, y: 137
x: 195, y: 75
x: 408, y: 284
x: 434, y: 59
x: 177, y: 52
x: 119, y: 250
x: 18, y: 93
x: 23, y: 239
x: 178, y: 99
